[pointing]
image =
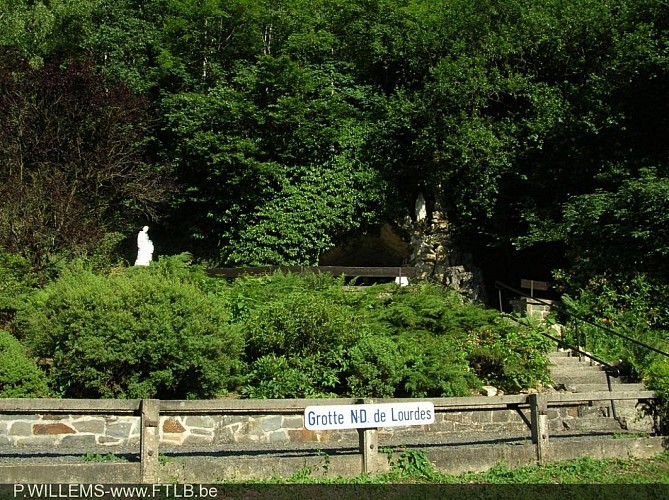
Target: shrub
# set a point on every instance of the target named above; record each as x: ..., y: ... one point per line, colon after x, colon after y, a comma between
x: 273, y: 376
x: 307, y: 336
x: 16, y: 279
x: 434, y: 367
x: 303, y: 333
x: 509, y: 356
x: 636, y: 307
x: 20, y: 377
x: 425, y: 308
x: 299, y: 323
x: 136, y: 333
x: 375, y: 367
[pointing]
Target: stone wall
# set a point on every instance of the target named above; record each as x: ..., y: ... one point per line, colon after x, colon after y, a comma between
x: 68, y: 430
x: 532, y: 308
x: 95, y: 430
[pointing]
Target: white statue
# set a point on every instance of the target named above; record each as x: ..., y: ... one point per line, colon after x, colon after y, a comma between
x: 421, y: 208
x: 144, y: 247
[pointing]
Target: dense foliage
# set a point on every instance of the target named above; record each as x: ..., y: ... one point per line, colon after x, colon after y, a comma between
x: 168, y: 331
x: 290, y: 124
x: 283, y: 127
x: 20, y: 377
x: 135, y: 333
x: 311, y: 337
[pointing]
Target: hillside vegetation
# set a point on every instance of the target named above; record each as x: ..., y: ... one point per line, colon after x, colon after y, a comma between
x: 266, y: 132
x: 168, y: 331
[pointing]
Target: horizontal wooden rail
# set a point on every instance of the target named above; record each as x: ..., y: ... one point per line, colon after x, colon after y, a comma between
x: 348, y: 271
x: 78, y: 406
x: 150, y: 411
x: 534, y: 285
x: 577, y: 397
x: 295, y: 406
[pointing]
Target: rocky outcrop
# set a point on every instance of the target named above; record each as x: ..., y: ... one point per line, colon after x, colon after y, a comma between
x: 437, y: 259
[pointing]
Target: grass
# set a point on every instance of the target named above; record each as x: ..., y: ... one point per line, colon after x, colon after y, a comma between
x: 98, y: 457
x: 413, y: 467
x: 581, y: 471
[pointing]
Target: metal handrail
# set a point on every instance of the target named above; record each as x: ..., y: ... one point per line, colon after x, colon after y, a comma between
x: 499, y: 285
x: 610, y: 370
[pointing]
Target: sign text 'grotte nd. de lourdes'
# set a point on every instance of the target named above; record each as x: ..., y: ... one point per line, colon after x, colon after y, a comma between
x: 318, y: 418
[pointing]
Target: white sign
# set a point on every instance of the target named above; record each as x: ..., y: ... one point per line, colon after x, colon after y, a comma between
x: 320, y: 418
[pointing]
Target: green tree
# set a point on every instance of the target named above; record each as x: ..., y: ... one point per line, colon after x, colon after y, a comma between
x: 274, y: 162
x: 73, y: 157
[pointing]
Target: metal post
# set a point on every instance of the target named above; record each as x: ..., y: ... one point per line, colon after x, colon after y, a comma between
x: 613, y: 403
x: 149, y: 441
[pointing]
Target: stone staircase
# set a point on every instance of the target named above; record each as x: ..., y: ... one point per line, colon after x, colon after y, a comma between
x: 570, y: 373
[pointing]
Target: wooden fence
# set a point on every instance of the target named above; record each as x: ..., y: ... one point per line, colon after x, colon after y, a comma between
x: 150, y: 410
x: 348, y: 271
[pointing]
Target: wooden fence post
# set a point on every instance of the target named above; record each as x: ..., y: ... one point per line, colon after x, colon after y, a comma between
x: 368, y: 442
x: 369, y: 446
x: 150, y: 440
x: 539, y: 420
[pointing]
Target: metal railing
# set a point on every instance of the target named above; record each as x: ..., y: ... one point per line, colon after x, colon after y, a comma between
x: 609, y: 370
x: 499, y: 285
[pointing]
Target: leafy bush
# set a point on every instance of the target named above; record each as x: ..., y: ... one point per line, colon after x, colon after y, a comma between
x: 20, y: 377
x: 656, y: 378
x: 509, y: 357
x: 375, y: 367
x: 434, y: 367
x: 15, y: 280
x: 309, y: 336
x: 451, y: 346
x: 169, y: 331
x: 274, y: 377
x: 300, y: 332
x: 136, y: 333
x: 425, y: 308
x: 636, y: 307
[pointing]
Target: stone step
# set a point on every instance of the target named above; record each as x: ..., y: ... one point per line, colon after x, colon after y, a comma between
x: 559, y: 354
x: 573, y: 362
x: 615, y: 387
x: 591, y: 423
x: 570, y: 379
x: 562, y: 354
x: 571, y: 373
x: 576, y: 368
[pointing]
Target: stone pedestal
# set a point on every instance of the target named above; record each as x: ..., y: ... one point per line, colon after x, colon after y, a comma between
x: 532, y: 307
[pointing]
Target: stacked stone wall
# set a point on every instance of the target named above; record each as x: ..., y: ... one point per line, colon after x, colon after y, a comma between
x: 68, y: 430
x: 97, y: 430
x: 533, y: 308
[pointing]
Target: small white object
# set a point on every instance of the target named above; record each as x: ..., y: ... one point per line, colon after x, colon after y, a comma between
x: 489, y: 390
x: 402, y: 281
x: 144, y: 248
